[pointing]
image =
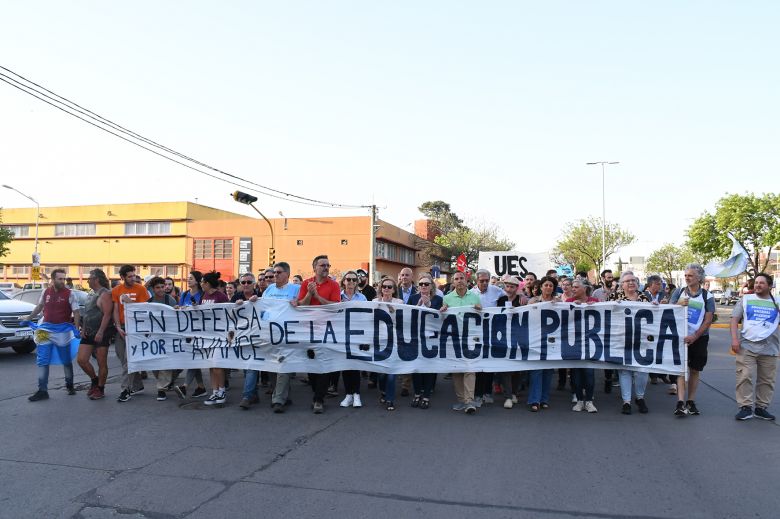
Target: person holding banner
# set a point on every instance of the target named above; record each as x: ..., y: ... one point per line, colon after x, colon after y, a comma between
x: 211, y: 295
x: 510, y: 380
x: 584, y: 378
x: 488, y: 297
x: 463, y: 382
x: 192, y: 297
x: 540, y: 379
x: 349, y: 292
x: 629, y: 291
x: 756, y: 348
x: 701, y: 309
x: 387, y: 292
x: 55, y: 334
x: 165, y: 377
x: 319, y: 289
x: 426, y: 297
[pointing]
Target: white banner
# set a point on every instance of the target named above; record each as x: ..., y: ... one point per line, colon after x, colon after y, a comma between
x: 274, y: 336
x: 515, y: 263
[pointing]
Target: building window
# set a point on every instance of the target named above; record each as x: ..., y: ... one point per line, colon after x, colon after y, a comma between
x: 147, y: 228
x: 48, y: 269
x: 157, y: 270
x: 172, y: 271
x: 75, y: 229
x: 393, y: 252
x: 203, y: 249
x: 20, y: 270
x: 84, y: 270
x: 223, y: 249
x: 299, y: 242
x: 19, y: 231
x: 115, y: 270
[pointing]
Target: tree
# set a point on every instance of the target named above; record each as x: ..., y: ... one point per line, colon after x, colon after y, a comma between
x: 456, y: 237
x: 668, y: 258
x: 5, y: 238
x: 754, y: 221
x: 581, y: 243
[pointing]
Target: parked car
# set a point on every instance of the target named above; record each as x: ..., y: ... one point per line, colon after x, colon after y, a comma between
x: 9, y: 288
x: 12, y: 333
x: 34, y: 295
x: 729, y: 297
x: 716, y: 294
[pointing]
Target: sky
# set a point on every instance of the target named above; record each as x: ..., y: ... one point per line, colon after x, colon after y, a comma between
x: 492, y: 107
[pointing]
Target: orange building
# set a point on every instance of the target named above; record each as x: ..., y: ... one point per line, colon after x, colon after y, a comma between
x: 173, y: 238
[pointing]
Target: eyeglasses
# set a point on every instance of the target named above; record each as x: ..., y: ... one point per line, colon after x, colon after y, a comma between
x: 247, y: 282
x: 387, y: 287
x: 269, y: 277
x: 423, y: 284
x: 629, y: 281
x: 350, y: 280
x: 277, y: 272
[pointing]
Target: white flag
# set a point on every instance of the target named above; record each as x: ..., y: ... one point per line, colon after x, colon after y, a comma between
x: 732, y: 267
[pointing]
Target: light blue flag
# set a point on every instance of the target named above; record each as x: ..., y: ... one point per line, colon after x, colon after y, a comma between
x: 732, y: 267
x: 57, y: 343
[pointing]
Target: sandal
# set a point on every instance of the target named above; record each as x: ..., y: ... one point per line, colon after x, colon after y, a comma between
x: 416, y: 401
x: 390, y: 406
x: 425, y: 403
x: 534, y: 407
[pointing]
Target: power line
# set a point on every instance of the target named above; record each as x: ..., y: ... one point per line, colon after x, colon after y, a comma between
x: 70, y: 105
x: 158, y: 153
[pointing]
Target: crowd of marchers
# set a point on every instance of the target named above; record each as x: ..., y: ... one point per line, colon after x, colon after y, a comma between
x: 755, y: 339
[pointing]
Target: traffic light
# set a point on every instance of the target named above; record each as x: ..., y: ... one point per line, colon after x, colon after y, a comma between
x: 244, y: 198
x: 271, y: 256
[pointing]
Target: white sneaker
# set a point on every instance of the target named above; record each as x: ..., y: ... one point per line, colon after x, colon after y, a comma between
x: 356, y: 401
x: 589, y: 407
x: 487, y: 399
x: 348, y: 401
x: 477, y: 402
x: 508, y: 404
x: 514, y: 399
x: 579, y: 406
x: 672, y: 389
x: 573, y: 399
x: 216, y: 398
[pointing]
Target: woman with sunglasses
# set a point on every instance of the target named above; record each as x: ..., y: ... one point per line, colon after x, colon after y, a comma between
x: 628, y: 290
x: 387, y: 291
x: 349, y: 292
x: 426, y: 297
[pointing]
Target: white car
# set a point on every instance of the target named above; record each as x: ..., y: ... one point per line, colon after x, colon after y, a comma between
x: 9, y: 288
x: 12, y: 333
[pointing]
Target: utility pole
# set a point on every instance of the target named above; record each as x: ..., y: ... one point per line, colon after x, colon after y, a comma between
x: 603, y: 210
x: 372, y: 244
x: 245, y: 198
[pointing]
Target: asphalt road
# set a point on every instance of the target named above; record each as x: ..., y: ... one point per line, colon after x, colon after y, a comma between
x: 72, y: 457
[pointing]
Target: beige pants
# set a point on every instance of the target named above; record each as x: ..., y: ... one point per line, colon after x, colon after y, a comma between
x: 765, y: 367
x: 464, y: 386
x: 164, y: 378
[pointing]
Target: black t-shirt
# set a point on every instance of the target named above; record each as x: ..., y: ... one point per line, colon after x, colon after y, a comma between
x: 501, y: 302
x: 240, y: 295
x: 369, y: 292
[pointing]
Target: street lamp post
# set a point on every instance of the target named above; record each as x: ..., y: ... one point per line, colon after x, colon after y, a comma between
x: 603, y: 209
x: 37, y: 218
x: 249, y: 200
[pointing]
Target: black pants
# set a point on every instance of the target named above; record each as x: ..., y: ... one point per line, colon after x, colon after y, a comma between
x: 351, y: 382
x: 483, y: 384
x: 319, y: 385
x: 423, y: 383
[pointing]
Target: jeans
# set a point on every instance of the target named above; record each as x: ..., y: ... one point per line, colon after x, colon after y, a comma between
x: 423, y: 383
x: 387, y: 386
x: 539, y: 389
x: 250, y: 384
x: 43, y: 358
x: 639, y: 380
x: 584, y: 379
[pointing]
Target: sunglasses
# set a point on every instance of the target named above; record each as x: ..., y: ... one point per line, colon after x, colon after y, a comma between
x: 277, y: 272
x: 423, y: 284
x: 269, y: 277
x: 350, y: 280
x: 247, y: 282
x: 388, y: 287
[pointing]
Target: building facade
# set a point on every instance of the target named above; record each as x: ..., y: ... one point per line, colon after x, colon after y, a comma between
x: 173, y: 238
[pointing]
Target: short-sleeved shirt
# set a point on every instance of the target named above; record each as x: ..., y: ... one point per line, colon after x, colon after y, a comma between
x: 503, y: 300
x: 453, y: 300
x: 768, y: 346
x: 288, y: 292
x: 167, y: 300
x: 489, y: 298
x: 328, y: 290
x: 214, y: 297
x: 187, y: 299
x: 240, y: 296
x: 137, y: 293
x: 709, y: 304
